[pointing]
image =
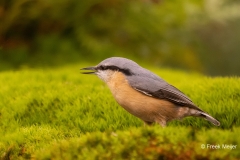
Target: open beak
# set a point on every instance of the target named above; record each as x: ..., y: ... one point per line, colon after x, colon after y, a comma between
x: 92, y: 70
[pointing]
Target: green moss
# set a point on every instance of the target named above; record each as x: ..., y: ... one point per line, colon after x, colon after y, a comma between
x: 61, y: 114
x: 146, y: 143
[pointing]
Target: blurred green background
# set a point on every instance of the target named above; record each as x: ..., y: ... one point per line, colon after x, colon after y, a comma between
x: 198, y: 35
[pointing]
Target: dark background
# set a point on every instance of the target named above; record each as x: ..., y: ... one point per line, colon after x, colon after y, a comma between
x: 198, y: 35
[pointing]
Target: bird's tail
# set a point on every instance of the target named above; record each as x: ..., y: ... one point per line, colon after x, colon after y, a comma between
x: 209, y: 118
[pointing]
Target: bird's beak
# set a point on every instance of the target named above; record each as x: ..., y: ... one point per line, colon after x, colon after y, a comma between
x: 92, y: 70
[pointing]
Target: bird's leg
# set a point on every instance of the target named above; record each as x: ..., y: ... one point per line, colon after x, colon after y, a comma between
x: 162, y: 123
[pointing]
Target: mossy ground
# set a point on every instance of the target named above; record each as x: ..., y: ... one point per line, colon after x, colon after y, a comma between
x: 61, y: 114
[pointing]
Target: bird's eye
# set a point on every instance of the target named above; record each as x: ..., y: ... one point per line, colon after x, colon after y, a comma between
x: 102, y: 67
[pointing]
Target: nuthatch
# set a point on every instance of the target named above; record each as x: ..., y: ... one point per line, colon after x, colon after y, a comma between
x: 144, y: 94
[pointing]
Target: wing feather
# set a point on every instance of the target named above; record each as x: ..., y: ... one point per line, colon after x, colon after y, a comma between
x: 152, y: 85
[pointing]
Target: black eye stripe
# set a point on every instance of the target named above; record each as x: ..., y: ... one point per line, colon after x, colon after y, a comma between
x: 102, y: 67
x: 115, y: 68
x: 108, y: 67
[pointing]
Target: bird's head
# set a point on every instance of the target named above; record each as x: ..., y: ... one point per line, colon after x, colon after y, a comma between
x: 109, y: 66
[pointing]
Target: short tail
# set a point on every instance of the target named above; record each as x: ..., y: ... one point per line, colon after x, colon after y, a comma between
x: 210, y: 118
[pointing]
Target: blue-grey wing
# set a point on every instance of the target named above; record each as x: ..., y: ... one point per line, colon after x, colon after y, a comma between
x: 152, y: 85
